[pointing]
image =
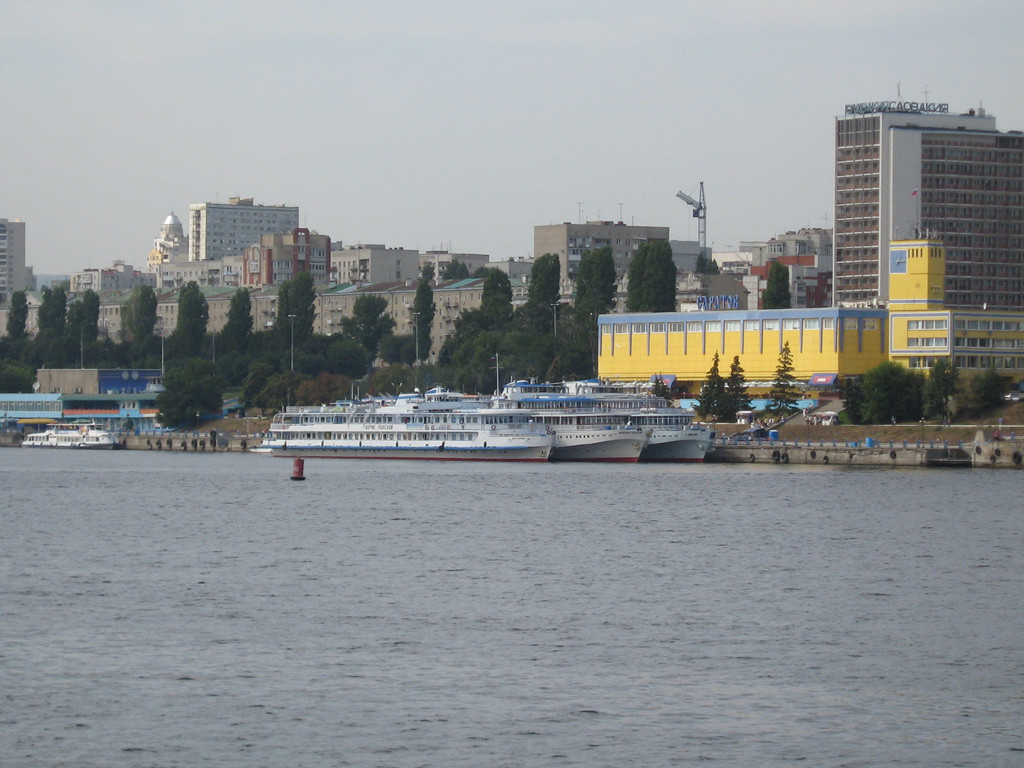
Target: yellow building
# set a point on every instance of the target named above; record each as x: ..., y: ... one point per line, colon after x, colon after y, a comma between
x: 921, y: 330
x: 826, y: 343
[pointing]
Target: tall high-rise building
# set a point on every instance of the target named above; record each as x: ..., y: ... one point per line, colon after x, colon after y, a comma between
x: 217, y: 230
x: 907, y: 170
x: 13, y: 274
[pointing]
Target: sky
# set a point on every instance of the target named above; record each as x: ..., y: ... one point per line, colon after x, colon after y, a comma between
x: 462, y: 125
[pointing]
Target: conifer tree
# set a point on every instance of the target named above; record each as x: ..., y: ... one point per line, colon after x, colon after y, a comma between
x: 736, y: 396
x: 783, y: 393
x: 712, y: 400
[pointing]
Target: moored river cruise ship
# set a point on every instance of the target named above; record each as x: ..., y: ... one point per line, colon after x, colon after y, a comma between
x: 440, y: 426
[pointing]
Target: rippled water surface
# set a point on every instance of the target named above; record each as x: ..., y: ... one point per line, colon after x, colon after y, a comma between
x: 204, y: 610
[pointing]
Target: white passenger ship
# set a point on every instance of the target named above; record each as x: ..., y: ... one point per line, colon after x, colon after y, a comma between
x: 669, y: 432
x: 672, y: 435
x: 583, y: 432
x: 439, y: 426
x: 75, y: 434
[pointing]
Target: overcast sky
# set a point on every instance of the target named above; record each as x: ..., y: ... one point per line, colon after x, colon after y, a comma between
x: 464, y: 124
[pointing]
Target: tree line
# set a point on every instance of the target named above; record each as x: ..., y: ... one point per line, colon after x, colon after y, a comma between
x: 289, y: 364
x: 887, y: 393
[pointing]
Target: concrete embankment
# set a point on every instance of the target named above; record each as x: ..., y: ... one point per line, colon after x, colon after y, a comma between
x: 201, y: 442
x: 982, y: 452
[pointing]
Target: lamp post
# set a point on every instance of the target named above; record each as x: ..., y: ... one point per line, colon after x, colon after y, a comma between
x: 554, y: 320
x: 292, y: 318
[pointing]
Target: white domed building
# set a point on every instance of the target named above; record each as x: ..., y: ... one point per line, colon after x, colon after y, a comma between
x: 170, y: 245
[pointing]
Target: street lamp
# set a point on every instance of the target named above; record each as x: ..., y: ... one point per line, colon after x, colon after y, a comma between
x: 292, y: 318
x: 554, y: 320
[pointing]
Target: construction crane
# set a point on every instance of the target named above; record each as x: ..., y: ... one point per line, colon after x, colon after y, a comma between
x: 700, y: 212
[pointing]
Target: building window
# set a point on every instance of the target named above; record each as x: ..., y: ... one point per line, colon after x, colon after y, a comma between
x: 713, y: 326
x: 752, y: 325
x: 812, y: 324
x: 694, y: 327
x: 732, y: 326
x: 790, y: 324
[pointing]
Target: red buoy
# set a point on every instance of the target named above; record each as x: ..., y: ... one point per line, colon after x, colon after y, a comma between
x: 297, y: 467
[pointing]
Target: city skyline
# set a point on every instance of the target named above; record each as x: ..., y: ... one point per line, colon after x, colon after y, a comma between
x: 443, y: 125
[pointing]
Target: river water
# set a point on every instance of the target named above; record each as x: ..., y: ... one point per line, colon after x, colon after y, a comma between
x: 165, y: 609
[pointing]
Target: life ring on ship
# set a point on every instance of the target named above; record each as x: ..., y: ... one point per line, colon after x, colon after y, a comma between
x: 825, y: 459
x: 997, y: 452
x: 753, y: 458
x: 892, y: 455
x: 785, y: 458
x: 992, y: 458
x: 814, y: 454
x: 1017, y: 457
x: 776, y: 456
x: 977, y: 449
x: 493, y: 427
x: 244, y: 444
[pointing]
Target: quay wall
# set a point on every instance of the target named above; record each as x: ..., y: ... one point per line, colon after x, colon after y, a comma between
x: 983, y: 452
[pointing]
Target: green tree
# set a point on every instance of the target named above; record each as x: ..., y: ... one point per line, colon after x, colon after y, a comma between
x: 369, y: 322
x: 16, y: 377
x: 53, y: 311
x: 892, y: 393
x: 940, y: 388
x: 986, y: 390
x: 323, y: 389
x: 705, y: 265
x: 398, y: 349
x: 392, y: 380
x: 455, y: 270
x: 712, y: 402
x: 346, y: 357
x: 297, y: 297
x: 736, y: 397
x: 652, y: 279
x: 81, y: 325
x: 776, y: 293
x: 427, y: 273
x: 496, y: 299
x: 853, y: 400
x: 545, y: 280
x: 254, y: 383
x: 138, y: 317
x: 423, y: 308
x: 280, y: 391
x: 237, y: 331
x: 193, y: 388
x: 193, y: 316
x: 595, y: 284
x: 17, y: 316
x: 783, y: 394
